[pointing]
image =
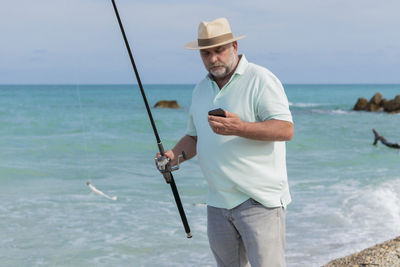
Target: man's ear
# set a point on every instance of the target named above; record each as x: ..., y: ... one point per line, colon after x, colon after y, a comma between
x: 235, y: 46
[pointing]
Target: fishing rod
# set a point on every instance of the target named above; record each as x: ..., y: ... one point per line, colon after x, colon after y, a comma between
x: 163, y: 161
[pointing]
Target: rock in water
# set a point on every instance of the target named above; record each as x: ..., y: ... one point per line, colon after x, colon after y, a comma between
x: 373, y: 107
x: 361, y: 104
x: 167, y: 104
x: 393, y: 105
x: 377, y: 103
x: 374, y: 103
x: 383, y: 102
x: 376, y: 99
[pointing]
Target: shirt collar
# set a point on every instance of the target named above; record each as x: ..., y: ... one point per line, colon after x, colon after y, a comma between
x: 242, y: 66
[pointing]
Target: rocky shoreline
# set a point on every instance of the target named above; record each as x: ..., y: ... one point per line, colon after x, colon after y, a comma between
x: 386, y: 254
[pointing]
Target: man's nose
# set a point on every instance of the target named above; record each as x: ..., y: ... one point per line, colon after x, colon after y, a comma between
x: 213, y: 58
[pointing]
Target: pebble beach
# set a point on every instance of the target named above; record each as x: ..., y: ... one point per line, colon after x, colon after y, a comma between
x: 386, y: 254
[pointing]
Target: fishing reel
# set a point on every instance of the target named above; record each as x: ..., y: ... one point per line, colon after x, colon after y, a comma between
x: 163, y: 164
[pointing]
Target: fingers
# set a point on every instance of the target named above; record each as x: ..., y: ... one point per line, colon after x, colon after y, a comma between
x: 217, y: 124
x: 169, y: 154
x: 230, y: 114
x: 215, y: 118
x: 222, y: 119
x: 225, y: 126
x: 216, y: 127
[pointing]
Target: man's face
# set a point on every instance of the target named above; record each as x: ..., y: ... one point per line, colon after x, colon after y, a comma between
x: 220, y: 60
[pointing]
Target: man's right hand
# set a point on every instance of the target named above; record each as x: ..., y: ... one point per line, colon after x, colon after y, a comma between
x: 169, y: 154
x: 164, y: 163
x: 187, y: 144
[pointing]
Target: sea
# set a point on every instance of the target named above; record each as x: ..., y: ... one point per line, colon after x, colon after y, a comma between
x: 56, y: 138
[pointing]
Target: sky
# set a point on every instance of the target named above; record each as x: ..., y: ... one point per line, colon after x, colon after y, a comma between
x: 300, y: 41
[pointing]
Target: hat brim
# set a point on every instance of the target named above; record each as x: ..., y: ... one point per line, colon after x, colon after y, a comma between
x: 195, y: 46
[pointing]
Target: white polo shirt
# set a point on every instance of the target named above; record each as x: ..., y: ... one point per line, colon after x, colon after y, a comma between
x: 238, y: 168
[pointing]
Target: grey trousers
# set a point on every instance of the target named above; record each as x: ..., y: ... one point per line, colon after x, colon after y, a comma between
x: 248, y: 233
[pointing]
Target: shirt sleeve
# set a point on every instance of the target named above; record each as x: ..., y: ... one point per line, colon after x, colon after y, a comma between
x: 272, y: 102
x: 191, y: 128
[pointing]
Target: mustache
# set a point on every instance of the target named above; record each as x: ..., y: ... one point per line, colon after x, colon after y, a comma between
x: 215, y: 65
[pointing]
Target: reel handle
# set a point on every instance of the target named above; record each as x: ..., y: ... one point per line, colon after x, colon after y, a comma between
x: 181, y: 156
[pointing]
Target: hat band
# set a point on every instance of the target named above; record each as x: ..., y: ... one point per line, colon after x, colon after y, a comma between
x: 215, y: 40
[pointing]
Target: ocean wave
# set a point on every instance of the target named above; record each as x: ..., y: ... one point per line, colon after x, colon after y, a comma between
x: 322, y: 111
x: 367, y: 207
x: 377, y: 205
x: 331, y: 111
x: 347, y: 218
x: 304, y: 105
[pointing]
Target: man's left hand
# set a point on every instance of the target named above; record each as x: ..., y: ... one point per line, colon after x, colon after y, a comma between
x: 230, y: 125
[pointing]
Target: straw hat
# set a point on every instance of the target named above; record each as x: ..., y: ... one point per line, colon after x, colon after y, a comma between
x: 212, y: 34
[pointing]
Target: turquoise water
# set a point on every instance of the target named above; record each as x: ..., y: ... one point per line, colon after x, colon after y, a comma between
x: 54, y: 138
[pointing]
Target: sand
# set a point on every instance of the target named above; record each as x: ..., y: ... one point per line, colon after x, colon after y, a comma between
x: 386, y: 254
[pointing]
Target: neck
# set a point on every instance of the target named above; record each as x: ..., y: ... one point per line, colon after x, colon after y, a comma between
x: 224, y: 80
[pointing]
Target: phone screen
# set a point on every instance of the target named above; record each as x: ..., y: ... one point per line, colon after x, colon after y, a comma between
x: 217, y: 112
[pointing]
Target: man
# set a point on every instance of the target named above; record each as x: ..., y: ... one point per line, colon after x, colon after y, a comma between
x: 242, y: 155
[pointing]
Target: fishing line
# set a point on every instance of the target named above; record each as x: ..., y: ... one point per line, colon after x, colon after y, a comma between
x: 86, y: 137
x: 78, y: 93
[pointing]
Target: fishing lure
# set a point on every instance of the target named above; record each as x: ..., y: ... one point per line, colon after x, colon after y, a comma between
x: 97, y: 191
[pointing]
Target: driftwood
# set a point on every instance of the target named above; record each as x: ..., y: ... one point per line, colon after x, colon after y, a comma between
x: 383, y: 140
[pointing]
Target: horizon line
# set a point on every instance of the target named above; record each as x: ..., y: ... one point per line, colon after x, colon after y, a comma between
x: 75, y: 84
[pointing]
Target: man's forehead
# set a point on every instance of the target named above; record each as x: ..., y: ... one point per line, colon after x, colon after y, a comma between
x: 216, y: 48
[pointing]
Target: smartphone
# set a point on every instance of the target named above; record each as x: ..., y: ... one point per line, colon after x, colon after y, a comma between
x: 217, y: 112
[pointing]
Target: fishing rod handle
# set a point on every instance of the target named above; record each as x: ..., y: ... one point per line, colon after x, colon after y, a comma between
x: 180, y: 207
x: 161, y: 148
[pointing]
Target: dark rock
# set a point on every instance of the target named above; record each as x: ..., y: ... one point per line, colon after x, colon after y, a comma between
x: 393, y: 105
x: 389, y: 106
x: 376, y: 99
x: 397, y: 99
x: 373, y: 107
x: 382, y: 104
x: 374, y: 103
x: 167, y: 104
x: 361, y: 104
x: 377, y: 103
